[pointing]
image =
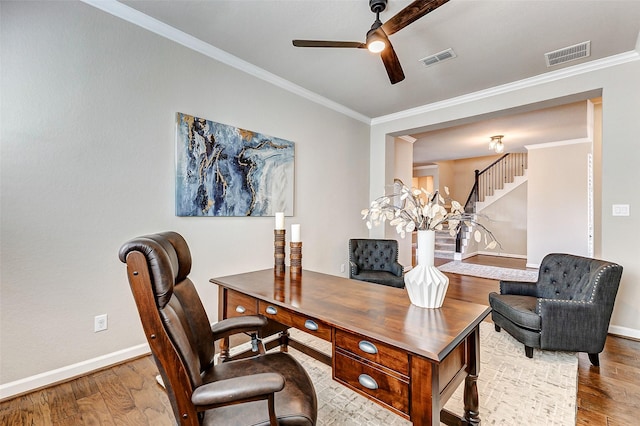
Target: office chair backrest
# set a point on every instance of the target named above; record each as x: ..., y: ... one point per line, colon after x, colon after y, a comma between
x: 171, y: 312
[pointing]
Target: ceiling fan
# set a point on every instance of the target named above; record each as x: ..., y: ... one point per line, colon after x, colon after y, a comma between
x: 377, y: 40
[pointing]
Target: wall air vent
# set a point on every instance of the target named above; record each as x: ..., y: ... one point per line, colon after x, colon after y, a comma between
x: 567, y: 54
x: 438, y: 57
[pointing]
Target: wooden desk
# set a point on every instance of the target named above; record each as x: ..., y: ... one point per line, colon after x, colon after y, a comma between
x: 408, y: 359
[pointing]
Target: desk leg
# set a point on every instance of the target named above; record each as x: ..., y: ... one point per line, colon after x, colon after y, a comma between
x: 471, y: 402
x: 284, y: 341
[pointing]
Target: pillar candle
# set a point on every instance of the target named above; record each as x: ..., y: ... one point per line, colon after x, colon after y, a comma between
x: 279, y: 220
x: 295, y: 233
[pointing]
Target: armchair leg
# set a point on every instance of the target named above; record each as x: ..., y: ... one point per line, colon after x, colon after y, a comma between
x: 594, y: 360
x: 528, y: 351
x: 497, y: 327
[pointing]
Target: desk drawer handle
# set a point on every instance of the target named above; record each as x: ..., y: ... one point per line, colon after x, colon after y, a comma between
x: 367, y: 347
x: 367, y: 381
x: 311, y: 325
x: 271, y: 310
x: 240, y: 309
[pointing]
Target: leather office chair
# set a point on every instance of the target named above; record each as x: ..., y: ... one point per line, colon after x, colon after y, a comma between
x: 568, y: 309
x: 375, y: 261
x: 267, y: 389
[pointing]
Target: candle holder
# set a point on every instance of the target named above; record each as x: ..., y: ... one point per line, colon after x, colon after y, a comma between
x: 278, y: 250
x: 296, y: 257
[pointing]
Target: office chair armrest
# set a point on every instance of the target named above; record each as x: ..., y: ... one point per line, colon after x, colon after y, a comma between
x: 522, y: 288
x: 237, y: 389
x: 235, y: 325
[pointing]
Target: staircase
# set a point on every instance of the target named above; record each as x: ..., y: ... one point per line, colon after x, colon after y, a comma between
x: 499, y: 193
x: 494, y: 182
x: 501, y: 172
x: 445, y: 245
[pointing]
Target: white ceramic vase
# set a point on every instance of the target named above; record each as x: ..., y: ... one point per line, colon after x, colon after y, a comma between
x: 426, y: 285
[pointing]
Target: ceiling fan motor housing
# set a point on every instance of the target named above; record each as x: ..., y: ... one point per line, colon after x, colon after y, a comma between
x: 377, y: 6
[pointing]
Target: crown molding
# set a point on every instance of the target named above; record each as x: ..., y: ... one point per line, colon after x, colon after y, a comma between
x: 408, y: 138
x: 611, y: 61
x: 426, y: 167
x: 558, y: 143
x: 151, y: 24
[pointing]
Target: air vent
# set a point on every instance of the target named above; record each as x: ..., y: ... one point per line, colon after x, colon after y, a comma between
x: 567, y: 54
x: 438, y: 57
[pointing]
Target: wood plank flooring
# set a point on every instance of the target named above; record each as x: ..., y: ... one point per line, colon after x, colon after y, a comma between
x: 128, y: 394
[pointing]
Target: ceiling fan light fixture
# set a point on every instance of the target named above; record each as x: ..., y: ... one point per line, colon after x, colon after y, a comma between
x: 376, y: 46
x: 376, y: 43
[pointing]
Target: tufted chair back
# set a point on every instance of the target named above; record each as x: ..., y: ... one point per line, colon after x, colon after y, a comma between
x: 373, y: 255
x: 375, y: 261
x: 581, y: 279
x: 170, y: 305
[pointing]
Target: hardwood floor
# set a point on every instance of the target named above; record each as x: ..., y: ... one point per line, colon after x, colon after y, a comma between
x: 128, y: 394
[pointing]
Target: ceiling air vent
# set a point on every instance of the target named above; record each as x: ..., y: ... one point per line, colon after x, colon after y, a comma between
x: 438, y: 57
x: 567, y: 54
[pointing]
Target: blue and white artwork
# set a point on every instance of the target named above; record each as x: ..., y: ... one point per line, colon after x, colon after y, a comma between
x: 222, y: 170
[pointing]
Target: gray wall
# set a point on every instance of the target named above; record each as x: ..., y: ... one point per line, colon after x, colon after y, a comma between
x: 88, y: 110
x: 506, y: 218
x: 557, y: 200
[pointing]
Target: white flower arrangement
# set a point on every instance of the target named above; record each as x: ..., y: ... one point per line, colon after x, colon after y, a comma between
x: 408, y: 211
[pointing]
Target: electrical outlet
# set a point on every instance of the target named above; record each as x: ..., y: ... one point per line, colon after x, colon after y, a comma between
x: 100, y: 323
x: 342, y: 267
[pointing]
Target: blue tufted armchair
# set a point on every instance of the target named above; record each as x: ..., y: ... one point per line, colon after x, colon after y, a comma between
x: 375, y: 261
x: 567, y: 309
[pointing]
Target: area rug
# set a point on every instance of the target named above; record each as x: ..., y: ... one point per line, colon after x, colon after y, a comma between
x: 491, y: 272
x: 512, y: 388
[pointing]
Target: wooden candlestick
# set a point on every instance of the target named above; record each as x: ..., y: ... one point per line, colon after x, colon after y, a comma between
x: 296, y: 257
x: 278, y: 249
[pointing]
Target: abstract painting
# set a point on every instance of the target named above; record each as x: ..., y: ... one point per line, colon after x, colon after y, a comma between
x: 222, y: 170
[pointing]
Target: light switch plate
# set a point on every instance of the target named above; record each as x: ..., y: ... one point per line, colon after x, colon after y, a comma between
x: 620, y: 210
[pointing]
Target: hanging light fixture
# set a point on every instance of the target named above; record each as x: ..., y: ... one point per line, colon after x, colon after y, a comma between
x: 496, y: 144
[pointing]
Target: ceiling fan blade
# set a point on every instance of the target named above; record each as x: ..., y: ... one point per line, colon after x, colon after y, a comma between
x: 321, y: 43
x: 411, y: 13
x: 392, y: 64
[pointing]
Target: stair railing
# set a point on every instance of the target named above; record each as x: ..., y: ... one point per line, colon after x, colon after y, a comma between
x: 491, y: 178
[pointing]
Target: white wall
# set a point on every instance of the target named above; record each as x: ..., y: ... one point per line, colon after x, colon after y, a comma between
x: 506, y: 218
x: 618, y: 79
x: 557, y: 199
x: 88, y: 107
x: 403, y: 165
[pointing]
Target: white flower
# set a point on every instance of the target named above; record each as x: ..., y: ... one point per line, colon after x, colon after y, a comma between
x: 412, y: 209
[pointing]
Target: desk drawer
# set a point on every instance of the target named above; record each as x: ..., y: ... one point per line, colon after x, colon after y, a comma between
x: 239, y: 304
x: 294, y: 319
x: 389, y: 390
x: 373, y: 350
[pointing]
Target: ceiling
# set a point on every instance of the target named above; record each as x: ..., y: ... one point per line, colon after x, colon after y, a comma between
x: 496, y: 43
x: 520, y: 129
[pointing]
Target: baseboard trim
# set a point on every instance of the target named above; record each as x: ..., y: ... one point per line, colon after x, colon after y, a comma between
x: 59, y: 375
x: 492, y: 253
x: 630, y: 333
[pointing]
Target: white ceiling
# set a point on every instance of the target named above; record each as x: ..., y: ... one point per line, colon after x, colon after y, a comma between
x: 497, y: 42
